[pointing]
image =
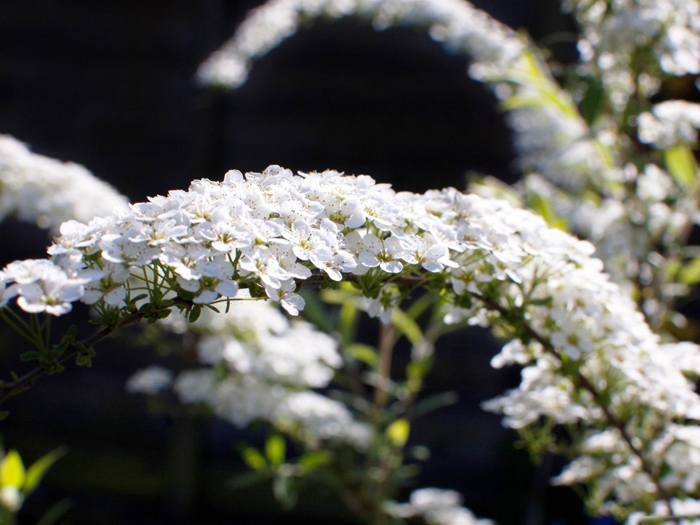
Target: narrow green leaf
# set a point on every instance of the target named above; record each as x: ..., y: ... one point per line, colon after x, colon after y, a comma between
x: 246, y: 479
x: 544, y: 208
x: 431, y: 403
x: 36, y: 472
x: 419, y: 368
x: 407, y: 326
x: 275, y: 449
x: 253, y: 458
x: 315, y: 459
x: 363, y: 353
x: 56, y: 512
x: 29, y: 356
x: 316, y: 312
x: 12, y: 471
x: 347, y: 322
x: 681, y: 165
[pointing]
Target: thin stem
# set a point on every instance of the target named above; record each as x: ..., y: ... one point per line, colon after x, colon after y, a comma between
x: 9, y: 389
x: 385, y: 347
x: 19, y: 329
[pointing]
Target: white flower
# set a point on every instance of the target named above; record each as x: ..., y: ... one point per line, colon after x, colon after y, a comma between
x: 383, y: 253
x: 151, y: 380
x: 48, y: 192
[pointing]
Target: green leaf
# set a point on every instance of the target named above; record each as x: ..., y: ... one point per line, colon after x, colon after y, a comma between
x: 690, y: 273
x: 12, y: 471
x: 398, y: 432
x: 681, y: 165
x: 241, y: 481
x: 55, y: 513
x: 253, y: 458
x: 347, y: 322
x: 363, y: 353
x: 407, y: 326
x: 195, y: 313
x: 316, y: 312
x: 544, y: 208
x: 432, y: 403
x: 418, y: 369
x: 38, y: 469
x: 315, y: 459
x: 275, y: 449
x: 29, y: 356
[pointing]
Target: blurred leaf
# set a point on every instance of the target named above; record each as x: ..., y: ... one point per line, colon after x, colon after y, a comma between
x: 246, y: 479
x: 690, y: 273
x: 315, y: 459
x: 36, y: 472
x: 407, y: 326
x: 519, y: 101
x: 681, y: 165
x: 363, y: 353
x: 432, y: 403
x: 275, y: 449
x: 12, y: 471
x: 419, y: 368
x: 315, y: 311
x: 347, y: 322
x: 593, y: 100
x: 398, y: 432
x: 253, y: 458
x: 545, y: 209
x: 6, y: 516
x: 420, y: 305
x: 55, y: 513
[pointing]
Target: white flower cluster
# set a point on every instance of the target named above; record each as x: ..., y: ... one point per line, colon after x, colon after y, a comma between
x: 649, y: 37
x: 266, y: 232
x: 269, y: 366
x: 669, y: 124
x: 439, y: 507
x: 48, y: 192
x: 550, y: 135
x: 151, y: 380
x: 685, y: 511
x: 458, y: 24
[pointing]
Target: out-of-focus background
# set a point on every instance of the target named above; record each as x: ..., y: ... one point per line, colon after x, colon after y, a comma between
x: 110, y: 85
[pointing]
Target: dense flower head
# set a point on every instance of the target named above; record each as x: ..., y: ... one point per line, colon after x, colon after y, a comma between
x: 494, y: 264
x: 46, y: 191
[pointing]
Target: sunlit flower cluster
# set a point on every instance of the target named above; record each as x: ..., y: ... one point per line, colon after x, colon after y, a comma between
x: 670, y: 123
x: 48, y: 192
x: 631, y: 43
x: 267, y: 232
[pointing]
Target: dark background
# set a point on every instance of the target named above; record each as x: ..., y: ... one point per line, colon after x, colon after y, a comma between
x: 109, y: 84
